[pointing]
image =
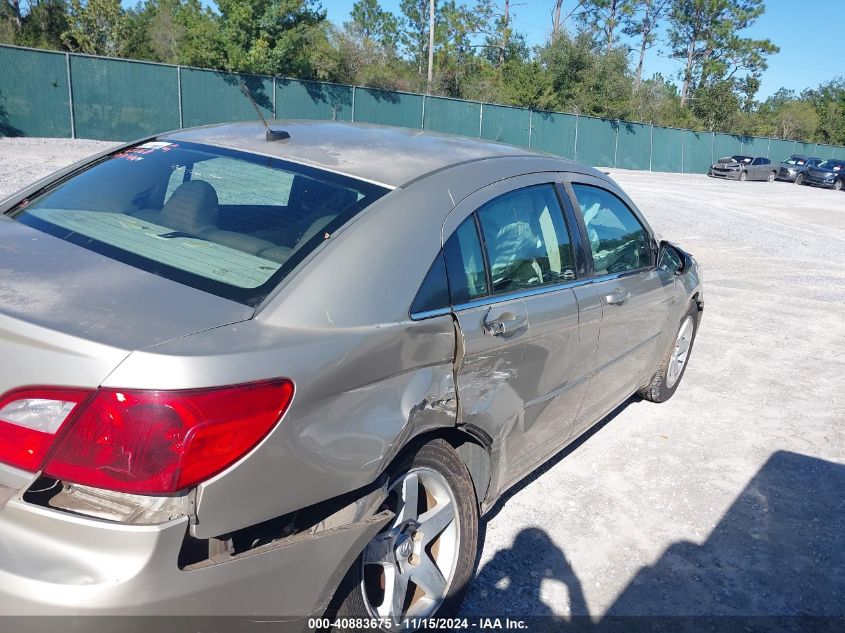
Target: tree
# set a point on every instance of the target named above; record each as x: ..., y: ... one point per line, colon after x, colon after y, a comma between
x: 40, y: 25
x: 715, y: 105
x: 174, y: 32
x: 603, y: 17
x: 829, y: 101
x: 373, y: 24
x: 641, y: 23
x: 271, y: 36
x: 704, y: 34
x: 96, y: 27
x: 414, y: 31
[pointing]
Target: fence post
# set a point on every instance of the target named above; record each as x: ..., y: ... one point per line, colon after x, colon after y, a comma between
x: 575, y: 149
x: 275, y: 110
x: 651, y: 148
x: 422, y: 122
x: 530, y: 127
x: 481, y: 120
x: 179, y: 93
x: 616, y: 145
x: 70, y: 97
x: 352, y: 116
x: 712, y: 147
x: 769, y: 149
x: 682, y: 153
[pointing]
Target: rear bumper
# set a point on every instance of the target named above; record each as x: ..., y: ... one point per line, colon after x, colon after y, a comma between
x: 52, y: 563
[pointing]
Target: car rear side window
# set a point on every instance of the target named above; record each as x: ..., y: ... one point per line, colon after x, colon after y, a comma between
x: 227, y: 222
x: 465, y: 263
x: 618, y: 241
x: 527, y: 240
x: 434, y: 292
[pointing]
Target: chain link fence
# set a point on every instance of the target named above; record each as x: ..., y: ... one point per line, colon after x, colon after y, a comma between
x: 51, y: 94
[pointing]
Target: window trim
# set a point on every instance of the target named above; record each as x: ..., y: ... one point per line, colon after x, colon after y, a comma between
x: 582, y: 227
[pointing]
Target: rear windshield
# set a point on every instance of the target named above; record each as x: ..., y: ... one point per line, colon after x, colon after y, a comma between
x: 227, y: 222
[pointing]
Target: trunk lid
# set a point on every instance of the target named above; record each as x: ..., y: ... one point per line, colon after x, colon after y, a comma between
x: 68, y: 316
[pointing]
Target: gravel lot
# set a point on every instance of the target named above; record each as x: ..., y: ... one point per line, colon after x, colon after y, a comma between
x: 730, y: 498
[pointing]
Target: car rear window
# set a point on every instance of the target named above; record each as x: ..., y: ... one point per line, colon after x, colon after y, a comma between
x: 231, y: 223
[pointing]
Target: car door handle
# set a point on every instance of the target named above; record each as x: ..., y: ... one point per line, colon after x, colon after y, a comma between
x: 506, y: 324
x: 617, y: 297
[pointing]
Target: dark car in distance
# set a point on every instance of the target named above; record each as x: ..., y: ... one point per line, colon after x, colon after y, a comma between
x: 743, y: 168
x: 793, y: 168
x: 829, y: 174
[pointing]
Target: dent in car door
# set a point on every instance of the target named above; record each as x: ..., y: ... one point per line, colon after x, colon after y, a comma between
x: 524, y: 388
x: 635, y: 299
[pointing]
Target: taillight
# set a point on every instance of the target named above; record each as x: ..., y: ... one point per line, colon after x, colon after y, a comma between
x: 156, y: 442
x: 29, y: 419
x: 143, y: 442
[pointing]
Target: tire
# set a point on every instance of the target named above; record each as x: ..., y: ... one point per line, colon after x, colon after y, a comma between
x: 799, y: 179
x: 772, y: 176
x: 837, y: 186
x: 663, y: 384
x: 441, y: 474
x: 743, y: 175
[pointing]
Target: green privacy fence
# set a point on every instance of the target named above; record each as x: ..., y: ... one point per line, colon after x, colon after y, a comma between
x: 50, y: 94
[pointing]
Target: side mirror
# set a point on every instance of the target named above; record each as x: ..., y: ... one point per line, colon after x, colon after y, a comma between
x: 672, y: 259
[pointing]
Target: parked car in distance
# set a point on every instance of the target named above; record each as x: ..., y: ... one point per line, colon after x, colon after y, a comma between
x: 829, y: 174
x: 276, y: 375
x: 792, y: 169
x: 743, y: 168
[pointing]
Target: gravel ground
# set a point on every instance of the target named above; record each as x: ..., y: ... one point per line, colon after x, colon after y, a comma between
x: 730, y: 498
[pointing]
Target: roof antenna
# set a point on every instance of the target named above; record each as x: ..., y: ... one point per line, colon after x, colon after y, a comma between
x: 271, y: 135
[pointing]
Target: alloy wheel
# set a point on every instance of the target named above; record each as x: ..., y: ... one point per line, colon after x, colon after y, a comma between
x: 409, y: 566
x: 680, y: 353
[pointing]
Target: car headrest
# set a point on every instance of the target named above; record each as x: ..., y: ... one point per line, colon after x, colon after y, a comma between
x: 192, y: 207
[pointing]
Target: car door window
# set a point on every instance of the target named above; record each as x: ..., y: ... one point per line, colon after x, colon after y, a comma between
x: 757, y: 161
x: 618, y: 241
x: 465, y: 266
x: 526, y: 239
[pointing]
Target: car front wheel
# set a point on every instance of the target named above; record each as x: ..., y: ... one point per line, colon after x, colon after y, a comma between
x: 666, y: 379
x: 772, y: 176
x: 421, y: 563
x: 799, y: 179
x: 743, y: 175
x: 837, y: 186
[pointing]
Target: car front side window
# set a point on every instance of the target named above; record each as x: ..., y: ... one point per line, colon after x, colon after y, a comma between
x: 618, y: 241
x: 527, y: 240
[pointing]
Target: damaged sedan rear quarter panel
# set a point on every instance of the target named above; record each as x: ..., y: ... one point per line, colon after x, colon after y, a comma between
x: 367, y: 375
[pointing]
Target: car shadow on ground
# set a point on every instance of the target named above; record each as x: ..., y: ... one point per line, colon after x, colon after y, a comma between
x: 775, y: 561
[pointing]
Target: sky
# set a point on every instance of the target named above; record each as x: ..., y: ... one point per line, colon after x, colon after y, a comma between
x: 809, y: 43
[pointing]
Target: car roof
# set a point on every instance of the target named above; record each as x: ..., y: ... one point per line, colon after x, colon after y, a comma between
x: 389, y: 156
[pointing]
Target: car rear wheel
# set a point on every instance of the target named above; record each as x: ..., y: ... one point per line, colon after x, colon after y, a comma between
x: 666, y: 379
x: 420, y: 564
x: 743, y: 175
x: 772, y: 176
x: 799, y: 179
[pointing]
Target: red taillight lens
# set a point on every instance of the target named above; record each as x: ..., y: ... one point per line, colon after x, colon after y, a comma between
x: 156, y: 442
x: 29, y: 419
